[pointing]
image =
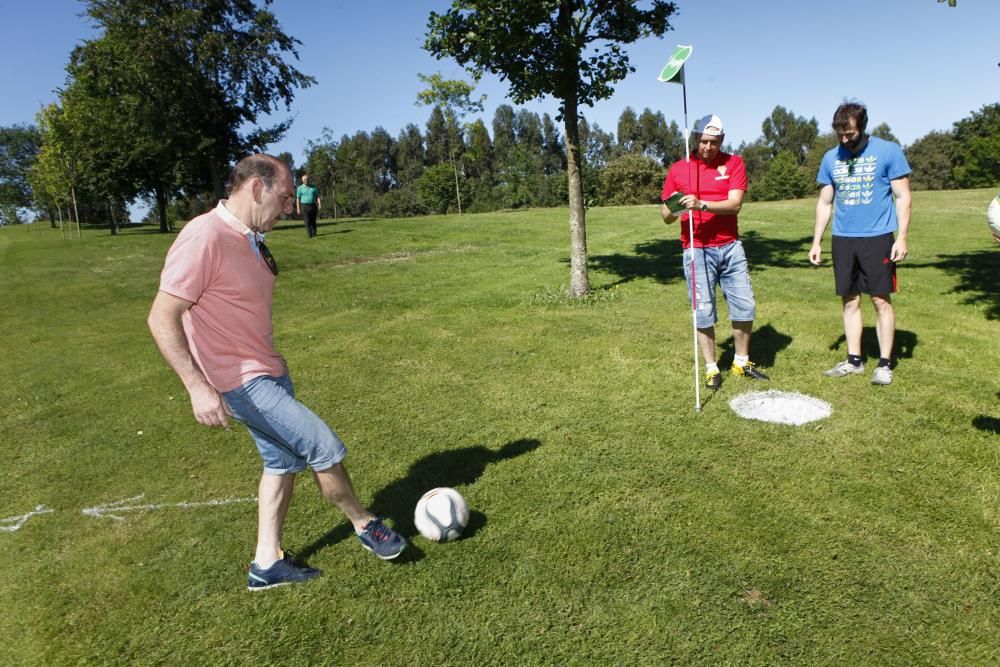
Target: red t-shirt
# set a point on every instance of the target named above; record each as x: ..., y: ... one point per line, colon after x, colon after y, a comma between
x: 708, y: 183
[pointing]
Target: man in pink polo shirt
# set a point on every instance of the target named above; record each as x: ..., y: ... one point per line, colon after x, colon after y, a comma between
x: 712, y: 185
x: 211, y: 320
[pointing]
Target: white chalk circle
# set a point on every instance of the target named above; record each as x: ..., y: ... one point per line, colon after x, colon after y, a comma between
x: 780, y: 407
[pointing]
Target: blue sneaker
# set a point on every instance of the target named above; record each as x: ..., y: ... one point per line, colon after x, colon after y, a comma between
x: 284, y: 571
x: 381, y: 540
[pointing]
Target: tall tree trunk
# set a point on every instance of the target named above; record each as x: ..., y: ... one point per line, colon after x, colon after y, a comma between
x: 76, y: 212
x: 161, y: 209
x: 458, y: 191
x: 52, y: 218
x: 579, y: 282
x: 218, y: 187
x: 114, y: 222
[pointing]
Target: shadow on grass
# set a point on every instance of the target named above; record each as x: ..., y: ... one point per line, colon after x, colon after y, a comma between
x: 976, y: 272
x: 903, y: 344
x: 988, y: 424
x: 765, y: 344
x: 452, y: 468
x: 662, y: 259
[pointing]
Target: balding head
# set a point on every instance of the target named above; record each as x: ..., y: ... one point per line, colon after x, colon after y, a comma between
x: 266, y: 167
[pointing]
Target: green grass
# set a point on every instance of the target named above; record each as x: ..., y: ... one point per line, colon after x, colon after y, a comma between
x: 611, y: 523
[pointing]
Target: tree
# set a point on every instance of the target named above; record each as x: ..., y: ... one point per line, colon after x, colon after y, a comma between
x: 817, y: 149
x: 658, y: 140
x: 454, y: 98
x: 569, y: 49
x: 289, y: 161
x: 978, y: 162
x: 356, y: 183
x: 554, y: 150
x: 932, y: 159
x: 168, y: 88
x: 628, y: 131
x: 631, y: 179
x: 321, y: 165
x: 57, y: 171
x: 784, y: 180
x: 479, y: 151
x: 436, y: 191
x: 784, y: 131
x: 410, y: 155
x: 883, y: 131
x: 19, y: 147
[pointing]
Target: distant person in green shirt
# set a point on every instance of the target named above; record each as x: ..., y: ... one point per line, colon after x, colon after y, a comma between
x: 307, y: 199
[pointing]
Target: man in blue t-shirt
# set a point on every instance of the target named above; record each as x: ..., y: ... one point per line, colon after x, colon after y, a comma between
x: 865, y: 184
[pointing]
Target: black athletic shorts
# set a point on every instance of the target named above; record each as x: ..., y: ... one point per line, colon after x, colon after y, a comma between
x: 862, y: 264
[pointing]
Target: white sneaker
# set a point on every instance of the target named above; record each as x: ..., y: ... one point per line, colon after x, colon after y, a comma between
x: 844, y: 368
x: 882, y: 375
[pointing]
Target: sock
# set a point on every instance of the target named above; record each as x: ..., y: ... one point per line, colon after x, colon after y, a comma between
x: 882, y: 361
x: 740, y: 360
x: 710, y: 368
x: 267, y: 564
x: 854, y: 359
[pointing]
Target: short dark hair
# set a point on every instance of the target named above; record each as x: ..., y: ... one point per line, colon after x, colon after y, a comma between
x: 266, y: 167
x: 846, y: 112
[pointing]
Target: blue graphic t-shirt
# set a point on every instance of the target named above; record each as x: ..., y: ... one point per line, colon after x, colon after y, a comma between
x: 862, y: 183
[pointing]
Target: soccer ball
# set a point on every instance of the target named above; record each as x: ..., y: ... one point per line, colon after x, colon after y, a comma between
x: 441, y: 514
x: 993, y: 216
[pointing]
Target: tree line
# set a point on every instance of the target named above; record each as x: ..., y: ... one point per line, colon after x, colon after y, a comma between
x: 518, y: 161
x: 158, y: 106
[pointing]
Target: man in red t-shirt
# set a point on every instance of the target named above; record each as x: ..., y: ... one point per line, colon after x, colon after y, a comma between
x: 711, y: 186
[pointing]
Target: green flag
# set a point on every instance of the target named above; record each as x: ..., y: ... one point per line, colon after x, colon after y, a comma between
x: 673, y: 71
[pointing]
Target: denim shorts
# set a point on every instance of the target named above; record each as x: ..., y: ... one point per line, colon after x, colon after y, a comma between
x: 289, y: 435
x: 724, y: 266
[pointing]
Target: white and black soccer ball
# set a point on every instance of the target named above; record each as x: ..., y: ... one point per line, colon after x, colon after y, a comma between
x: 441, y: 514
x: 993, y: 216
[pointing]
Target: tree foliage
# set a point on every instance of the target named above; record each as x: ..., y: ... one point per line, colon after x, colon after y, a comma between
x: 932, y: 159
x: 785, y: 179
x: 159, y: 101
x: 883, y: 131
x: 632, y: 178
x: 19, y: 148
x: 784, y: 131
x: 978, y: 162
x: 454, y: 98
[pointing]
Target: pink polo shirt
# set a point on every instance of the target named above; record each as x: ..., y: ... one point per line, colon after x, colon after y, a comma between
x: 214, y: 264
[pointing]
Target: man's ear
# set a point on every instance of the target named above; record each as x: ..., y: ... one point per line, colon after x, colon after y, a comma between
x: 257, y: 188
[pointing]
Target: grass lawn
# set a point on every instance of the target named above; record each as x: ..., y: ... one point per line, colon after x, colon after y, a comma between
x: 611, y: 523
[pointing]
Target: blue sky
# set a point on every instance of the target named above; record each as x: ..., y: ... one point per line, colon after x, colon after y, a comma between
x: 917, y: 64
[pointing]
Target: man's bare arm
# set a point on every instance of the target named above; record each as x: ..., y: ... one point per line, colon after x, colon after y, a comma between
x: 165, y: 324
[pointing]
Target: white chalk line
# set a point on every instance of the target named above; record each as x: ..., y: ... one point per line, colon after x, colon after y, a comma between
x: 120, y: 506
x: 15, y: 522
x: 112, y: 510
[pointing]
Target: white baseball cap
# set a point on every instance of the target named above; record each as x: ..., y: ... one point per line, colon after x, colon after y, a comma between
x: 710, y: 125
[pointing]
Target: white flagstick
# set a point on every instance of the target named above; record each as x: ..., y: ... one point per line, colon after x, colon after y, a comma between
x: 694, y: 277
x: 673, y: 72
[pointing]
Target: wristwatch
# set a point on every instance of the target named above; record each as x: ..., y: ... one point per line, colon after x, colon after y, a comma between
x: 704, y: 206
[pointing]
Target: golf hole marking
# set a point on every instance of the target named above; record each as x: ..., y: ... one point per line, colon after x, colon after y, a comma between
x: 780, y: 407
